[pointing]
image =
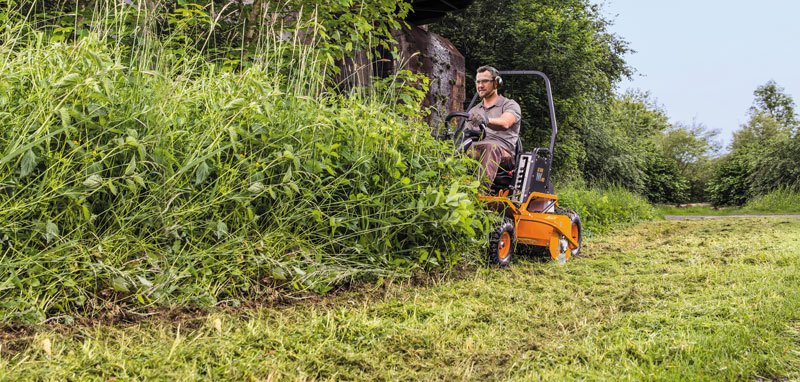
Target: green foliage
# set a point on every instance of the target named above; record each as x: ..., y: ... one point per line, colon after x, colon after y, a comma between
x: 781, y: 200
x: 132, y: 179
x: 603, y: 209
x: 621, y: 143
x: 665, y: 182
x: 686, y: 150
x: 772, y: 100
x: 779, y: 168
x: 764, y: 153
x: 233, y: 33
x: 731, y: 184
x: 567, y: 40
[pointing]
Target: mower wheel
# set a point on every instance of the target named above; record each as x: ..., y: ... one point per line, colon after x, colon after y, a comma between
x: 502, y: 243
x: 576, y: 230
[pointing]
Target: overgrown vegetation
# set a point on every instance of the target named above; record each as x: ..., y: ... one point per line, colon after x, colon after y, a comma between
x: 782, y: 200
x: 603, y: 209
x: 700, y: 301
x: 135, y: 176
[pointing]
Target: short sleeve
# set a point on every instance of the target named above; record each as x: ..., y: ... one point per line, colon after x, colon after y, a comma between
x: 512, y: 107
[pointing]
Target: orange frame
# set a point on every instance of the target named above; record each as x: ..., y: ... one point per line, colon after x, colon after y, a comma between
x: 535, y: 228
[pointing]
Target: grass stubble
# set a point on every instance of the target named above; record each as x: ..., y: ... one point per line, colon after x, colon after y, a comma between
x: 698, y: 300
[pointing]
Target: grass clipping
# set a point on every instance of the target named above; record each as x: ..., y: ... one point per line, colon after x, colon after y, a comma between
x: 133, y: 185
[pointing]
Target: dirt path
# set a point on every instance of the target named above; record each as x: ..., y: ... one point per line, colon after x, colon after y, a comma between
x: 702, y: 217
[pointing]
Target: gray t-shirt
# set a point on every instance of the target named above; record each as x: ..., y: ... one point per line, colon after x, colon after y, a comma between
x: 506, y: 139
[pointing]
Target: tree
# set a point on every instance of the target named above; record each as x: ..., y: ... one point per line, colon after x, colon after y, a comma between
x: 771, y: 99
x: 691, y: 147
x: 763, y: 152
x: 620, y: 142
x: 761, y: 131
x: 566, y: 39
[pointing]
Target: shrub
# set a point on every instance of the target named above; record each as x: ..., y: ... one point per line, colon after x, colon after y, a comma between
x: 779, y: 200
x: 603, y: 209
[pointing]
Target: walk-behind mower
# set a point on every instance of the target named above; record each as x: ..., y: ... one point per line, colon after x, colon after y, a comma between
x: 533, y: 222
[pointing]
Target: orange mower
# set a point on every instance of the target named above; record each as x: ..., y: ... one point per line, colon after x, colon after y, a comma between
x: 532, y: 220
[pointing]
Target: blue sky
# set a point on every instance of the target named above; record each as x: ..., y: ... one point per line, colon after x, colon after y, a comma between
x: 702, y: 59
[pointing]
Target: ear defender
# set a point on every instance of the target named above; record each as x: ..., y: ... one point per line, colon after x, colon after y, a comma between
x: 498, y: 81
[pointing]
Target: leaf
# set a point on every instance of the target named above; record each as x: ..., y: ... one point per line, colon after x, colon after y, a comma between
x: 201, y: 174
x: 93, y: 181
x: 28, y: 163
x: 131, y: 141
x: 131, y: 169
x: 66, y: 120
x: 119, y: 284
x: 256, y: 188
x: 111, y: 187
x: 145, y: 282
x: 222, y: 229
x: 287, y: 176
x: 218, y: 325
x: 47, y: 347
x: 68, y: 80
x: 50, y: 231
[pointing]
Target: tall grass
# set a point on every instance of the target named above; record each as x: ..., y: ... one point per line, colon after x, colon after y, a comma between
x: 782, y: 200
x: 601, y: 209
x: 134, y: 176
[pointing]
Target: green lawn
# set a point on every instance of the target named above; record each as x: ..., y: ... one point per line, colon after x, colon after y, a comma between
x: 704, y: 209
x: 694, y: 300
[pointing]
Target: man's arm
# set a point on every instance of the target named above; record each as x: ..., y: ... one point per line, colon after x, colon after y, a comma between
x: 510, y: 116
x: 503, y: 122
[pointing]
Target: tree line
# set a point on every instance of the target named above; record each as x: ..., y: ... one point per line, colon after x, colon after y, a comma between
x: 606, y: 138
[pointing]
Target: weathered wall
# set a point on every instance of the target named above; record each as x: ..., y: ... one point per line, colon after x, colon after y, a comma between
x: 420, y: 51
x: 426, y: 52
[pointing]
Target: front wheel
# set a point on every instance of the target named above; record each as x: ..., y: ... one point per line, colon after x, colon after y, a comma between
x: 502, y: 242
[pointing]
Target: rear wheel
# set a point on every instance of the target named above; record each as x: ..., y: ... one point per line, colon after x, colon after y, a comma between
x: 502, y: 242
x: 576, y: 229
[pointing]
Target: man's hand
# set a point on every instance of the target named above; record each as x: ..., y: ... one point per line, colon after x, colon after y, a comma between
x: 479, y: 117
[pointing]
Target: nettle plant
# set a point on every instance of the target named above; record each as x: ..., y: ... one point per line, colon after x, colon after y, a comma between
x: 139, y: 178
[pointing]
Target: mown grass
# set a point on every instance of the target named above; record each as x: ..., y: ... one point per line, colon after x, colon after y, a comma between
x: 695, y: 301
x: 705, y: 209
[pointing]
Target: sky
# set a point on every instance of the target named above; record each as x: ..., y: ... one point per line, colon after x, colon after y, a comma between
x: 702, y: 59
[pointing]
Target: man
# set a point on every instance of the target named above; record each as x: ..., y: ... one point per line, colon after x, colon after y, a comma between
x: 502, y: 119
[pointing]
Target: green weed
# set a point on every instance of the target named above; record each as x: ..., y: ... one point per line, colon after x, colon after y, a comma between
x: 135, y: 176
x: 782, y: 200
x: 603, y: 209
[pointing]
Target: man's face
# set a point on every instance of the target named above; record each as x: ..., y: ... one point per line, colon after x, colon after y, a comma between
x: 484, y: 84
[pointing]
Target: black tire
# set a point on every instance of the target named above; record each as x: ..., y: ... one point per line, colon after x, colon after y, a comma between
x: 577, y: 228
x: 502, y: 242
